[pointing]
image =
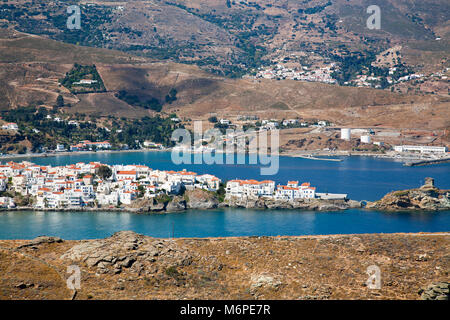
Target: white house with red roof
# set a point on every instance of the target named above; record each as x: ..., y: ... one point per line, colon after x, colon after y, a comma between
x: 293, y: 191
x: 59, y: 186
x: 250, y: 188
x: 7, y: 203
x: 126, y: 175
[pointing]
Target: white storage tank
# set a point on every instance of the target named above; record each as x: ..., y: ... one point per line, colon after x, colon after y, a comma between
x: 346, y: 133
x: 366, y: 139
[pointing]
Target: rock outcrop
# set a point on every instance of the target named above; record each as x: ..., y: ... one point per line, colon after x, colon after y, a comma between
x: 303, y: 204
x: 129, y: 250
x: 131, y: 266
x: 426, y: 198
x: 146, y: 205
x: 264, y: 281
x: 192, y: 199
x: 436, y: 291
x: 201, y: 199
x: 177, y: 204
x: 41, y: 240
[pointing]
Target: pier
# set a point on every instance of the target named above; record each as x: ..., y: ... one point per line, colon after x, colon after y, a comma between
x: 426, y: 162
x: 311, y: 157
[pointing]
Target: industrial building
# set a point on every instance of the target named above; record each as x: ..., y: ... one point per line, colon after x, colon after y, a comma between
x: 346, y: 133
x: 421, y: 149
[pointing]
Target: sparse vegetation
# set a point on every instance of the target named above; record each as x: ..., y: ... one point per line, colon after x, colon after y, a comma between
x: 93, y: 81
x: 142, y: 101
x: 39, y: 127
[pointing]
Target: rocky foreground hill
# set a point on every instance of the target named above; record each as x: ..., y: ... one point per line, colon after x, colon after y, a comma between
x: 427, y: 197
x: 131, y: 266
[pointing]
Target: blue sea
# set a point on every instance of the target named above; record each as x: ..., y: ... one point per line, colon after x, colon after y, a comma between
x: 362, y: 178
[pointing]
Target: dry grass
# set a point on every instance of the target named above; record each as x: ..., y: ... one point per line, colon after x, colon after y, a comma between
x: 314, y: 267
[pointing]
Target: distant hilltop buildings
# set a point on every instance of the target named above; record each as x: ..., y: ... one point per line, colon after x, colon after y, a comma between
x: 88, y: 145
x: 85, y: 81
x: 10, y: 126
x: 282, y: 72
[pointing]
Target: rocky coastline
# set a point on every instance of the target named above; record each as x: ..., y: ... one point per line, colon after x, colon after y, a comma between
x: 204, y: 200
x: 302, y: 204
x: 425, y: 198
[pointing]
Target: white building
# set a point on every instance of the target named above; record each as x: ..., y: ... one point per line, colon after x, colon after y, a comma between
x: 10, y: 126
x: 60, y: 148
x: 250, y: 188
x: 290, y: 122
x: 126, y: 197
x: 421, y: 149
x: 85, y: 81
x: 62, y: 186
x: 366, y: 139
x: 346, y: 133
x: 111, y: 199
x: 126, y: 175
x: 6, y: 202
x: 150, y: 144
x: 293, y: 192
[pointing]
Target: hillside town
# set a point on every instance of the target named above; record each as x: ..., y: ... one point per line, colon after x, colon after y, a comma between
x: 96, y: 185
x: 93, y: 184
x: 280, y: 71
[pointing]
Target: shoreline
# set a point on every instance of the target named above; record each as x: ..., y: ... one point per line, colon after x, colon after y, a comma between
x: 328, y: 206
x: 304, y: 154
x: 78, y: 153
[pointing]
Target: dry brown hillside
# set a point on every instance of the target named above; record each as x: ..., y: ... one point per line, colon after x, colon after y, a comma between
x: 30, y: 67
x: 233, y: 37
x: 131, y: 266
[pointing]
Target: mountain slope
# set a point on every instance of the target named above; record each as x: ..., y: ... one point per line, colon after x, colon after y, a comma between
x: 237, y: 37
x: 32, y: 78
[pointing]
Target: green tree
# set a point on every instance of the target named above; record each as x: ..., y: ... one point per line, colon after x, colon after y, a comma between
x: 104, y: 172
x: 59, y: 101
x: 212, y: 119
x: 172, y: 96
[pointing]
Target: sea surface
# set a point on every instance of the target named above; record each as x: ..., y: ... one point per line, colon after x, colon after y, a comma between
x: 217, y: 223
x: 362, y: 178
